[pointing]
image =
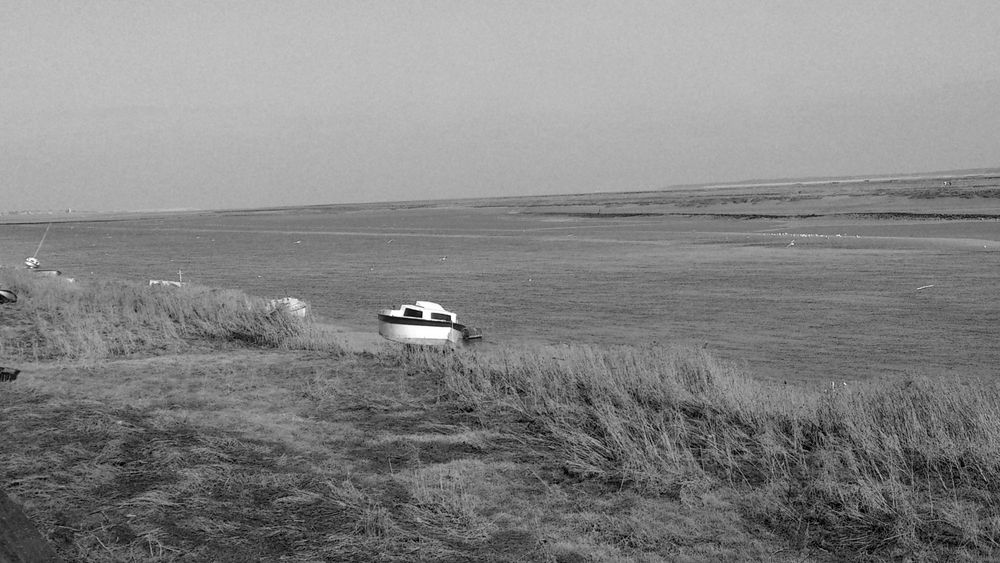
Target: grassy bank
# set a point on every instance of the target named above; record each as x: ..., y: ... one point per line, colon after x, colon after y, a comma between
x: 864, y: 469
x: 60, y: 319
x: 178, y: 424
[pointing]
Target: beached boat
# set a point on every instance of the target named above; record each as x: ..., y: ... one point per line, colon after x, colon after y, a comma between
x: 170, y: 283
x: 33, y: 265
x: 167, y: 283
x: 295, y: 307
x: 424, y: 323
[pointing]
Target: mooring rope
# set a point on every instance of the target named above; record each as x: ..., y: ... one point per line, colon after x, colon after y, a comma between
x: 42, y: 241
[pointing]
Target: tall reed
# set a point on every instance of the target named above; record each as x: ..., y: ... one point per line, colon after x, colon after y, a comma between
x: 872, y: 469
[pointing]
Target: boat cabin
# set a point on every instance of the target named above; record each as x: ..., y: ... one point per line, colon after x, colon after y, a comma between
x: 428, y: 311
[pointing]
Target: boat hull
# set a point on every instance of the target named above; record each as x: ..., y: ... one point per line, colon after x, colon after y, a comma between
x: 295, y: 307
x: 418, y: 331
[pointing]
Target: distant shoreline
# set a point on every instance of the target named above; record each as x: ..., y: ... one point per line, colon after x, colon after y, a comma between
x: 68, y: 216
x: 809, y: 181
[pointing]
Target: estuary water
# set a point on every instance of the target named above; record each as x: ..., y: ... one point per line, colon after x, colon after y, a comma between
x: 791, y: 300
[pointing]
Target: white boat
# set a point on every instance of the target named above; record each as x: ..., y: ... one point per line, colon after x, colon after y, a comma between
x: 167, y: 283
x: 424, y: 322
x: 296, y: 307
x: 32, y: 264
x: 171, y: 283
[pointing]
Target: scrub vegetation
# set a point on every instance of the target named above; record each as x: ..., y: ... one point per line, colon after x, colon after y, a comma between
x: 191, y: 424
x: 107, y: 318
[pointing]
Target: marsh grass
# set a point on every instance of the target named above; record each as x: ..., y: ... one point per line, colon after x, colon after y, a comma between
x: 908, y: 467
x: 108, y: 318
x: 295, y: 449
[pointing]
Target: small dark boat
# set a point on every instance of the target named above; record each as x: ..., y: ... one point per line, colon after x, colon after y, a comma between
x: 7, y: 296
x: 8, y: 374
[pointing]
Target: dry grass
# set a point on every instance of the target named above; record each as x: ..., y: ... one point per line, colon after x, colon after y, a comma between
x: 108, y: 318
x: 260, y: 438
x: 872, y: 470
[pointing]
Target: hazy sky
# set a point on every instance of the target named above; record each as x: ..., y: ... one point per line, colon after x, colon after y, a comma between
x: 215, y: 104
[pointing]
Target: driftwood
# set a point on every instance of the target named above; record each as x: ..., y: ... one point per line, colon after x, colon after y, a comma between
x: 20, y: 541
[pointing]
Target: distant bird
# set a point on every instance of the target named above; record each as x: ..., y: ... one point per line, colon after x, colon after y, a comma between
x: 389, y: 241
x: 792, y: 243
x: 298, y: 242
x: 443, y: 258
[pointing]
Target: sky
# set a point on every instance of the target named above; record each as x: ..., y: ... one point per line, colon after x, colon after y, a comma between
x: 125, y: 105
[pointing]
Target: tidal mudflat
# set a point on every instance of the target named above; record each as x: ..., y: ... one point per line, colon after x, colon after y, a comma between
x: 809, y: 282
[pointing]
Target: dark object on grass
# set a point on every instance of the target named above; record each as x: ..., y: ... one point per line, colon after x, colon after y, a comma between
x: 7, y: 296
x: 471, y: 333
x: 20, y: 541
x: 8, y: 374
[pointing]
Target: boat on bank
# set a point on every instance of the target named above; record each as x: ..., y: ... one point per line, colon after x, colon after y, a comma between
x: 171, y: 283
x: 424, y: 323
x: 167, y: 283
x: 33, y: 265
x: 295, y: 307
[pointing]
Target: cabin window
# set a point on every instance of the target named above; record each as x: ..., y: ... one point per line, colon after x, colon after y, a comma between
x: 441, y: 317
x: 407, y: 312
